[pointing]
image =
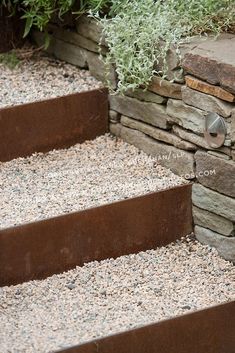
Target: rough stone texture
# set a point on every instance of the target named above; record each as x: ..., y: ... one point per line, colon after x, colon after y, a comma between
x: 64, y: 51
x: 186, y: 116
x: 90, y: 28
x: 207, y: 88
x: 212, y: 221
x: 233, y: 155
x: 213, y: 201
x: 206, y: 102
x: 228, y: 142
x: 115, y: 129
x: 154, y: 114
x: 219, y: 155
x: 197, y: 140
x: 72, y: 37
x: 179, y: 161
x: 233, y: 127
x: 165, y: 88
x: 158, y: 134
x: 223, y: 180
x: 214, y: 61
x: 224, y: 245
x: 114, y: 117
x: 146, y: 96
x: 174, y: 61
x: 98, y: 69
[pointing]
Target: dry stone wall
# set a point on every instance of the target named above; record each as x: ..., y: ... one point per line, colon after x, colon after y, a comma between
x: 167, y: 120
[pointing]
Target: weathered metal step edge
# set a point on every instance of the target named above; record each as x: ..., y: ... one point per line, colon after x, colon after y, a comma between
x: 53, y: 123
x: 40, y: 249
x: 211, y: 330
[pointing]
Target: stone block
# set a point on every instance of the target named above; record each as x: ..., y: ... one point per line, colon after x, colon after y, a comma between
x: 212, y: 221
x: 233, y: 127
x: 224, y: 245
x: 114, y: 117
x: 154, y: 114
x: 115, y: 129
x: 64, y: 51
x: 214, y: 61
x: 214, y: 202
x: 165, y: 88
x: 157, y: 134
x: 186, y: 116
x: 98, y: 69
x: 206, y: 102
x: 174, y: 61
x: 90, y: 28
x: 146, y: 96
x: 207, y: 88
x: 198, y: 140
x: 223, y: 178
x: 72, y: 37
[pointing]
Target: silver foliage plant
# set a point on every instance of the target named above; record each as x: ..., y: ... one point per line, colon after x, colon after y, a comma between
x: 139, y: 33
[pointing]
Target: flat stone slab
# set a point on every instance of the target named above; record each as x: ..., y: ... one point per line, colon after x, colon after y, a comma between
x: 206, y: 102
x: 207, y: 88
x: 216, y: 173
x: 165, y: 88
x: 214, y: 202
x: 224, y: 245
x: 212, y: 221
x: 151, y: 113
x: 214, y: 61
x: 158, y: 134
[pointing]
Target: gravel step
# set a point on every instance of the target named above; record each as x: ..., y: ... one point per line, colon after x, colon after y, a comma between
x: 111, y: 296
x: 41, y: 78
x: 90, y: 174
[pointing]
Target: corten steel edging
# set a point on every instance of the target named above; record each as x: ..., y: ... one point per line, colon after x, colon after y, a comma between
x: 206, y: 331
x: 54, y: 123
x: 39, y: 249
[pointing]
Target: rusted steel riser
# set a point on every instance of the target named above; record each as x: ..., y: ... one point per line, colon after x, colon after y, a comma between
x: 206, y: 331
x: 53, y: 123
x: 40, y: 249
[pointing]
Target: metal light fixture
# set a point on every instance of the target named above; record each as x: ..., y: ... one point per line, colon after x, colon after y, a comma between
x: 215, y: 130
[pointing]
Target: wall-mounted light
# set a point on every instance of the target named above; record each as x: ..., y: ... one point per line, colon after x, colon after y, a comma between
x: 215, y: 130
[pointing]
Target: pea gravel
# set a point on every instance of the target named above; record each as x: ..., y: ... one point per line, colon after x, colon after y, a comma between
x: 85, y: 175
x: 41, y: 78
x: 107, y: 297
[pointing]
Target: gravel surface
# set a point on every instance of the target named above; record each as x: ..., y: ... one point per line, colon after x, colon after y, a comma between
x: 107, y: 297
x: 42, y: 78
x: 85, y: 175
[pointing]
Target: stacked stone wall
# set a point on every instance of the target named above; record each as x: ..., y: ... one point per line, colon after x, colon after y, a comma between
x: 168, y: 119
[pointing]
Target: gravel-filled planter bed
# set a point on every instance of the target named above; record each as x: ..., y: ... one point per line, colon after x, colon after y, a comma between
x: 48, y: 104
x: 103, y: 298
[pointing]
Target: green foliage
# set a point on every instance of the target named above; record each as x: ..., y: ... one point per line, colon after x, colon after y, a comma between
x: 140, y: 33
x: 9, y: 59
x: 39, y: 12
x: 94, y: 5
